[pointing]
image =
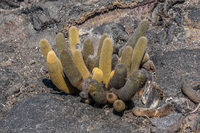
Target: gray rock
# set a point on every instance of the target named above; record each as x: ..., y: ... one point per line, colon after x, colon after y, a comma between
x: 115, y: 30
x: 59, y: 114
x: 164, y: 123
x: 174, y: 67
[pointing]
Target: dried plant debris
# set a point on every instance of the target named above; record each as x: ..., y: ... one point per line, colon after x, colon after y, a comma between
x: 105, y: 77
x: 191, y: 93
x: 159, y: 112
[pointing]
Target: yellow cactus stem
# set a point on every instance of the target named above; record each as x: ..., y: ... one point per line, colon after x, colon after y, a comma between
x: 105, y: 62
x: 97, y: 92
x: 45, y: 47
x: 57, y: 76
x: 138, y: 53
x: 88, y: 49
x: 73, y: 38
x: 112, y: 73
x: 111, y: 97
x: 98, y: 75
x: 94, y: 69
x: 78, y: 60
x: 60, y: 43
x: 126, y: 57
x: 119, y: 106
x: 103, y: 37
x: 70, y: 69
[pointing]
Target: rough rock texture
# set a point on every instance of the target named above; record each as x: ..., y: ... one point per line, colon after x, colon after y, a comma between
x: 173, y: 45
x: 61, y: 113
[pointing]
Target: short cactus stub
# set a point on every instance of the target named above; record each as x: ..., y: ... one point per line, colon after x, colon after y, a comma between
x: 111, y: 97
x: 119, y: 105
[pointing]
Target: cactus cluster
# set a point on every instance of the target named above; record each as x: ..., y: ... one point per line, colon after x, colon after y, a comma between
x: 101, y: 77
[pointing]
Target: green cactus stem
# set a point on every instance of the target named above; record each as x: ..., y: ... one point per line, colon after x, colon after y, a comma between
x: 57, y: 76
x: 119, y: 106
x: 127, y: 56
x: 138, y: 53
x: 133, y: 85
x: 88, y: 49
x: 70, y: 69
x: 119, y: 78
x: 105, y: 62
x: 78, y: 60
x: 139, y: 32
x: 115, y: 61
x: 45, y: 47
x: 93, y: 61
x: 103, y: 37
x: 73, y: 38
x: 60, y: 43
x: 97, y: 92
